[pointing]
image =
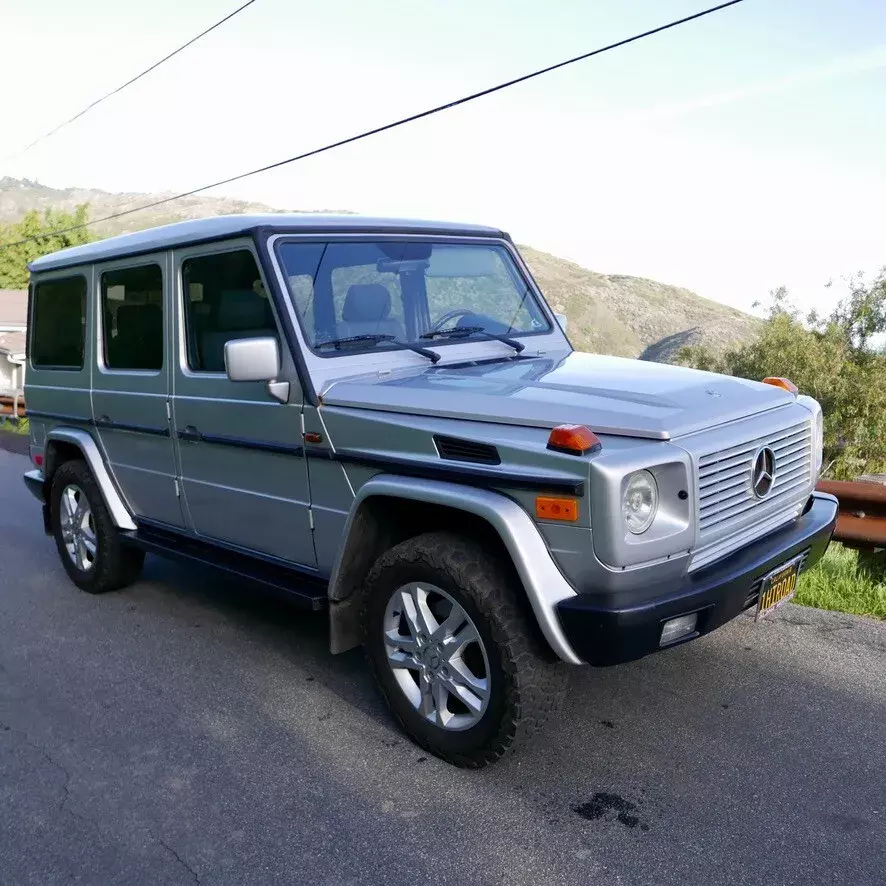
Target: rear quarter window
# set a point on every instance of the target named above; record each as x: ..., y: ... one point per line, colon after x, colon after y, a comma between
x: 58, y: 327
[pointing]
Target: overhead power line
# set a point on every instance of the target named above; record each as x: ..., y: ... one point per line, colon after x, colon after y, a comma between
x: 129, y: 82
x: 387, y: 126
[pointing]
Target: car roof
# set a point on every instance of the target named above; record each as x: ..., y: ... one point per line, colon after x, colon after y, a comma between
x: 222, y: 226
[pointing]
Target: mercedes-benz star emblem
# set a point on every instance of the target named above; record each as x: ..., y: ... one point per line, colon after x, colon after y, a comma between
x: 763, y: 473
x: 712, y: 392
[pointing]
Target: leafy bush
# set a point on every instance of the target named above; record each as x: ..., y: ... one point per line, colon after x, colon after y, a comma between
x: 14, y: 258
x: 831, y: 359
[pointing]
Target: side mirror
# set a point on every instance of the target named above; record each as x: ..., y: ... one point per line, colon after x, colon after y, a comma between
x: 256, y: 359
x: 252, y: 359
x: 562, y: 319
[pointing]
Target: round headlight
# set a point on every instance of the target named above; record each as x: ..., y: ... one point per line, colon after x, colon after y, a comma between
x: 640, y: 501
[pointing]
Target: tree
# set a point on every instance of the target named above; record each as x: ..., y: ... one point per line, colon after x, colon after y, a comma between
x: 831, y: 359
x: 14, y: 258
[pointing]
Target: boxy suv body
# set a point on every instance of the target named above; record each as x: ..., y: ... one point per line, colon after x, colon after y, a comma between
x: 385, y: 420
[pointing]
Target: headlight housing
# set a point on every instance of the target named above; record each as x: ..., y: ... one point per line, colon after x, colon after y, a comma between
x: 818, y: 441
x: 640, y: 501
x: 817, y: 432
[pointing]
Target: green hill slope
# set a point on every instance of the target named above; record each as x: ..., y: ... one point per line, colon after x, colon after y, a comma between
x: 608, y: 314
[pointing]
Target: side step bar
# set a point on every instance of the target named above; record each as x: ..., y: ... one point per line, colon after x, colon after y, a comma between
x: 305, y: 588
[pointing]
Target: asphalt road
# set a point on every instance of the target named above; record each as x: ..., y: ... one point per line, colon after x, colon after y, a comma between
x: 188, y: 730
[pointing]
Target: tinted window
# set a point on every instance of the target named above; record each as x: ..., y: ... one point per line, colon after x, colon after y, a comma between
x: 59, y: 323
x: 132, y: 318
x: 224, y: 299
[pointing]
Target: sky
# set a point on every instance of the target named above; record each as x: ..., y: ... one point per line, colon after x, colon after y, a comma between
x: 731, y: 155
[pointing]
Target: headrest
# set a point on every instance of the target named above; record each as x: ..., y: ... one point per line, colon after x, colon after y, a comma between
x: 366, y: 303
x: 139, y: 320
x: 242, y: 309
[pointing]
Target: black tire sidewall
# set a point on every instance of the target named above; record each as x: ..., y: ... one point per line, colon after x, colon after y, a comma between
x: 76, y: 473
x: 434, y: 738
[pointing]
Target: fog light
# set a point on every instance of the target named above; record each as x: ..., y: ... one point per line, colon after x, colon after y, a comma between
x: 676, y: 628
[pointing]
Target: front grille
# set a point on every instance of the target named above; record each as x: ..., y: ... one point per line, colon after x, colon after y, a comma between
x: 729, y: 513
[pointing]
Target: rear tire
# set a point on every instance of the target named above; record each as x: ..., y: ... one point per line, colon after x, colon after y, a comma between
x: 88, y: 542
x: 440, y: 612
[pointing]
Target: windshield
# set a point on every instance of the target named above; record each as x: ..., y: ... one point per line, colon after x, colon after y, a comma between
x: 380, y: 296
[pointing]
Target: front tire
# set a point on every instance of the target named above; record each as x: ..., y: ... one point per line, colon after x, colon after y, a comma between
x: 88, y: 543
x: 452, y: 652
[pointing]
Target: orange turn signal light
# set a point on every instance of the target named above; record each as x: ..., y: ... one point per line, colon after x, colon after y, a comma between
x: 563, y: 509
x: 784, y: 383
x: 574, y: 439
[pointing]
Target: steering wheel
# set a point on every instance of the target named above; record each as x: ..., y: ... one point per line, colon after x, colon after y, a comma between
x: 449, y: 315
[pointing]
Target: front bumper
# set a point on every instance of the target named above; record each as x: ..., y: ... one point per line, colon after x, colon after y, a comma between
x: 601, y: 633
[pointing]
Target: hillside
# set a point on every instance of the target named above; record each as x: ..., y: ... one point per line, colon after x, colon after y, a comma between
x: 634, y: 317
x: 609, y: 314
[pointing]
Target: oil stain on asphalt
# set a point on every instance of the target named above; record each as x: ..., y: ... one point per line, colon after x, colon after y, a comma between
x: 611, y: 807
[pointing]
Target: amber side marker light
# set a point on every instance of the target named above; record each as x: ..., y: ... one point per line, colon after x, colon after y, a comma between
x: 784, y: 383
x: 574, y: 440
x: 564, y: 509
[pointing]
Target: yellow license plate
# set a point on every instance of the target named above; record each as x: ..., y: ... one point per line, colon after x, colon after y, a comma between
x: 778, y: 587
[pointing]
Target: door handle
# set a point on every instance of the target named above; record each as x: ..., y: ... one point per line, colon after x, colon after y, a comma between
x: 191, y: 434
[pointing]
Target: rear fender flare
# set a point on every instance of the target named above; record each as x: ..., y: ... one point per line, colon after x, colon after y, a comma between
x: 84, y: 441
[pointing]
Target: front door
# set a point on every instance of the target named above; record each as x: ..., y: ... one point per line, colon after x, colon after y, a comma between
x: 130, y: 388
x: 243, y: 474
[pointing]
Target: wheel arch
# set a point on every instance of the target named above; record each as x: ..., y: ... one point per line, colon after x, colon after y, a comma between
x: 64, y: 444
x: 390, y: 509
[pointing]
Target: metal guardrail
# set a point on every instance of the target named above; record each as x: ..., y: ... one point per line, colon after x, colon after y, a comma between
x: 862, y: 520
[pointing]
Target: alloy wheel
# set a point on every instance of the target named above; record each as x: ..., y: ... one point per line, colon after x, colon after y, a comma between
x: 437, y: 656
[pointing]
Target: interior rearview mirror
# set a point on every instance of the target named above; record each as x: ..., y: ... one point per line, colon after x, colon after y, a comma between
x: 252, y: 359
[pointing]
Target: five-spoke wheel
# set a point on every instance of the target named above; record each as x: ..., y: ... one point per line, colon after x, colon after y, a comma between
x: 437, y: 656
x: 91, y: 549
x: 447, y: 638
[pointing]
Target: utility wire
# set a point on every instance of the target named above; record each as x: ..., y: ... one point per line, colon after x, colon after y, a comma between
x: 123, y: 86
x: 386, y: 126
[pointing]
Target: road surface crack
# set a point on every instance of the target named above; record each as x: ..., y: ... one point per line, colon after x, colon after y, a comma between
x: 178, y: 858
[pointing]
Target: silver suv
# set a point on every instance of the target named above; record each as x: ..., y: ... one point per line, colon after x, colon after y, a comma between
x: 384, y: 419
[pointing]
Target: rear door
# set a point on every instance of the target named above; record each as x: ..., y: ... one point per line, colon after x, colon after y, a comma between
x: 131, y: 383
x: 243, y: 470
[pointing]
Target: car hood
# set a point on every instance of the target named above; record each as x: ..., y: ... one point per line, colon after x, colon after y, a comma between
x: 611, y: 395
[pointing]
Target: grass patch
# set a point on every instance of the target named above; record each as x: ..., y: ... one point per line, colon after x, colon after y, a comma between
x: 15, y: 427
x: 841, y: 583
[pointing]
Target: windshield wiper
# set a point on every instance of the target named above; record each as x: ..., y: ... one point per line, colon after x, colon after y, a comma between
x: 376, y: 338
x: 464, y: 331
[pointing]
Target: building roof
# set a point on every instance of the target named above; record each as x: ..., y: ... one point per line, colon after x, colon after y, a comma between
x: 13, y: 307
x: 221, y: 226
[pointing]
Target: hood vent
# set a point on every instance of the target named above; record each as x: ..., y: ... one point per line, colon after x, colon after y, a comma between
x: 454, y: 449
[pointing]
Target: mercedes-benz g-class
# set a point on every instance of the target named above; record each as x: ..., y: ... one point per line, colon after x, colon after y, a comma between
x: 384, y: 420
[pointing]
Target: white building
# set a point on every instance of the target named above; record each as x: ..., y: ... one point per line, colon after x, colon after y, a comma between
x: 13, y: 323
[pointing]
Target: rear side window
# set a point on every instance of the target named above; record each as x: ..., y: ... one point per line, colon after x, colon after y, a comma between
x: 132, y: 318
x: 224, y: 299
x: 59, y: 323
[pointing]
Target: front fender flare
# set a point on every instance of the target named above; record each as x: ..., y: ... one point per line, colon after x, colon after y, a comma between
x: 542, y: 580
